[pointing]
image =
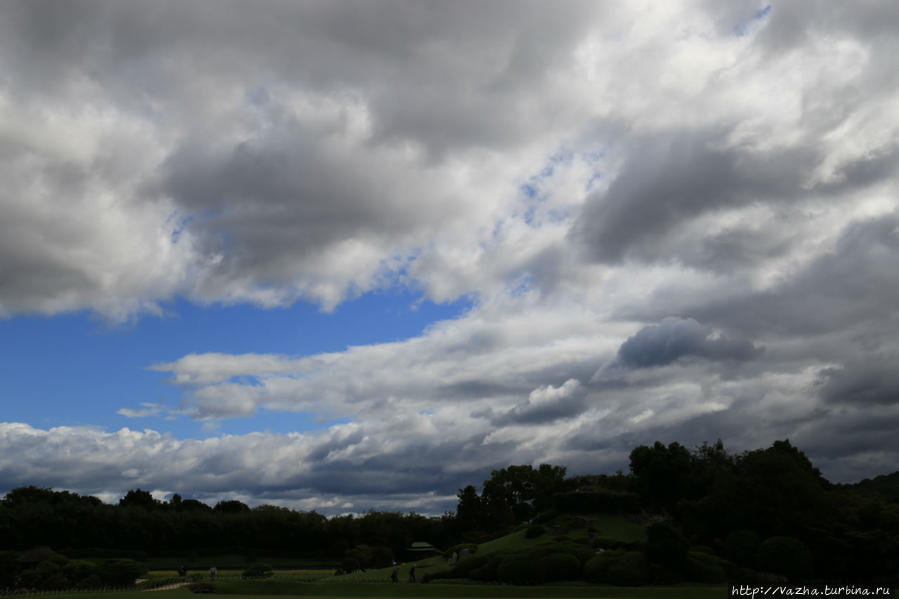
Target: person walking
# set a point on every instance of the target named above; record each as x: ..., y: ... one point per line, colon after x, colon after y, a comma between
x: 212, y: 572
x: 395, y: 575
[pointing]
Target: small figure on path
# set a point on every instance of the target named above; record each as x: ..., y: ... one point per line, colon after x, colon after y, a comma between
x: 395, y: 575
x: 212, y: 572
x: 412, y: 574
x: 182, y: 571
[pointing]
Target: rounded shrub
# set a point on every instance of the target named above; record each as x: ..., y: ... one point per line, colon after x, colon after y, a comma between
x: 741, y: 546
x: 470, y: 548
x: 665, y: 546
x: 465, y: 566
x: 534, y: 531
x: 702, y: 567
x: 518, y: 569
x: 91, y: 582
x: 581, y: 551
x: 597, y: 568
x: 785, y: 555
x: 202, y: 587
x: 120, y: 572
x: 558, y: 566
x: 544, y: 517
x: 350, y: 564
x: 629, y: 570
x: 658, y: 574
x: 47, y: 575
x: 487, y: 572
x: 258, y: 571
x: 79, y: 569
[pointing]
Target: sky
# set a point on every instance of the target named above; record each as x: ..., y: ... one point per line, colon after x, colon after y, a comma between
x: 349, y: 255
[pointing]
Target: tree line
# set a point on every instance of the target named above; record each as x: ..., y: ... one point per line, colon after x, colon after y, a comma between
x: 727, y: 504
x: 711, y: 498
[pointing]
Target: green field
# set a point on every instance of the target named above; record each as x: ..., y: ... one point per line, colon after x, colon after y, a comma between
x: 289, y: 588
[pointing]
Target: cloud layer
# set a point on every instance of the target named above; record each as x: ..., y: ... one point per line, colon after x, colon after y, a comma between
x: 675, y: 221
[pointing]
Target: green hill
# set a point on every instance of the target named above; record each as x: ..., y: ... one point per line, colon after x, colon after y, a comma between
x: 579, y: 535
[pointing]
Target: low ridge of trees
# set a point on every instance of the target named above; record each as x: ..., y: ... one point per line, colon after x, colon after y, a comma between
x: 748, y: 510
x: 716, y: 513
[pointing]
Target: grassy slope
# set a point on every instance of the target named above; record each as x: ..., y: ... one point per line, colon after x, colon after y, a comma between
x: 607, y: 526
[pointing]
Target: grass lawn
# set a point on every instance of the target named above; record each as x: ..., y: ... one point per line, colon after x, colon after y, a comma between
x: 287, y: 589
x: 234, y: 561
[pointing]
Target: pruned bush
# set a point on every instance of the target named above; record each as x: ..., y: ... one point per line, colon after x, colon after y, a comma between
x: 120, y: 572
x: 741, y: 546
x: 464, y: 567
x: 544, y: 517
x: 618, y: 567
x: 472, y: 548
x: 785, y: 555
x: 558, y: 566
x: 534, y: 531
x: 489, y: 571
x: 597, y: 568
x: 91, y: 582
x: 350, y: 564
x: 666, y: 547
x: 48, y: 575
x: 79, y: 569
x: 658, y: 574
x: 629, y: 570
x: 518, y: 569
x: 258, y: 571
x: 582, y: 552
x: 438, y: 575
x: 702, y: 567
x: 9, y: 569
x: 202, y: 587
x: 613, y: 543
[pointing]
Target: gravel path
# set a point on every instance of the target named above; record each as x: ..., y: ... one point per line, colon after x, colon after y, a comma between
x: 167, y: 587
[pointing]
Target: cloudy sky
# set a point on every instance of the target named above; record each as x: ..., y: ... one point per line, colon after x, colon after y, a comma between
x: 345, y: 255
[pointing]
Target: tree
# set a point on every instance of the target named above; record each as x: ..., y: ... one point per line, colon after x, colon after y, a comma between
x: 549, y: 481
x: 469, y: 511
x: 662, y: 473
x: 523, y: 489
x: 231, y: 506
x: 139, y: 499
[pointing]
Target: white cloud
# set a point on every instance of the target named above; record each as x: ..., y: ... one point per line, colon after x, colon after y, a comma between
x: 583, y: 174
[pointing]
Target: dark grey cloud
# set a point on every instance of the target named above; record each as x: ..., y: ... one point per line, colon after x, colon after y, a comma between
x: 675, y: 338
x: 852, y: 285
x: 413, y: 61
x: 544, y: 405
x: 669, y: 179
x: 281, y: 198
x: 872, y: 381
